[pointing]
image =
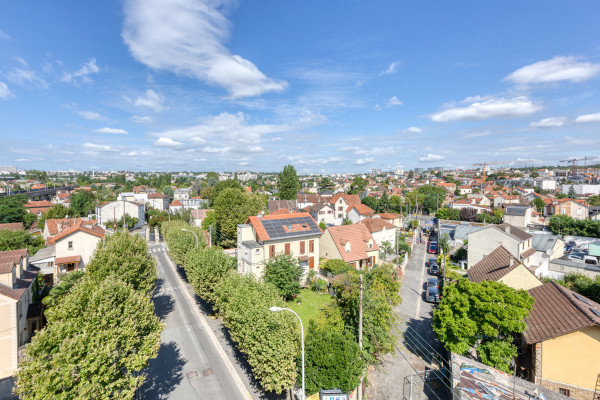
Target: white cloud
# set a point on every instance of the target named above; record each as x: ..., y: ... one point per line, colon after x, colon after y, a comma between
x: 91, y: 115
x: 187, y: 37
x: 88, y: 68
x: 216, y: 150
x: 377, y: 107
x: 167, y: 142
x: 151, y: 100
x: 20, y: 76
x: 479, y: 108
x: 476, y: 134
x: 142, y: 119
x: 569, y: 68
x: 552, y: 122
x: 112, y: 131
x: 413, y: 129
x: 4, y: 35
x: 431, y: 157
x: 4, y: 91
x: 588, y: 118
x: 393, y: 101
x: 363, y: 161
x: 97, y: 147
x: 391, y: 69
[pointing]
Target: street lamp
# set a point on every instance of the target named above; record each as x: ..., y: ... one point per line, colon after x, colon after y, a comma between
x: 196, y: 236
x: 276, y: 309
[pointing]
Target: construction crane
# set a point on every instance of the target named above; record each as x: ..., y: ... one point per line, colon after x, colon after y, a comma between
x: 486, y: 164
x: 573, y: 161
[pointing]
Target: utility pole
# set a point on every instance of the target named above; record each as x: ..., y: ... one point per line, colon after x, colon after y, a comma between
x: 360, y: 330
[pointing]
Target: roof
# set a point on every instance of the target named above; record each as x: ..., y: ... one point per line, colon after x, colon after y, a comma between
x: 274, y: 205
x: 271, y: 227
x: 12, y: 226
x: 357, y: 235
x: 21, y: 285
x: 96, y: 230
x: 318, y: 207
x: 462, y: 231
x: 157, y: 195
x: 285, y: 211
x: 558, y: 311
x: 389, y: 216
x: 13, y: 255
x: 541, y: 242
x: 56, y: 226
x: 67, y: 260
x: 42, y: 254
x: 362, y: 209
x: 513, y: 231
x: 63, y: 196
x: 6, y: 266
x: 377, y: 224
x: 348, y: 198
x: 200, y: 213
x: 38, y: 204
x: 492, y: 267
x: 176, y: 203
x: 517, y: 210
x: 529, y: 252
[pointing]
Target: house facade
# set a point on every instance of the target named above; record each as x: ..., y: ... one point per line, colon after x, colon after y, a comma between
x: 352, y: 243
x: 359, y: 212
x: 158, y: 201
x: 485, y: 241
x: 518, y: 215
x: 381, y: 230
x: 342, y: 203
x: 115, y: 210
x: 323, y: 212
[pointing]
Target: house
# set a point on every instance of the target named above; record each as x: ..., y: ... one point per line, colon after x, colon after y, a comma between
x: 359, y: 212
x: 352, y: 243
x: 44, y: 260
x: 323, y: 212
x: 61, y: 198
x: 501, y: 266
x: 19, y: 318
x: 53, y: 227
x: 115, y: 210
x: 576, y: 209
x: 12, y: 226
x: 394, y: 219
x: 505, y: 199
x: 518, y: 215
x: 182, y: 194
x: 274, y: 205
x: 547, y: 248
x: 176, y: 206
x: 472, y: 203
x: 482, y: 199
x: 561, y: 343
x: 262, y: 238
x: 194, y: 203
x: 304, y: 200
x: 38, y: 207
x: 73, y: 248
x: 381, y: 230
x: 342, y: 203
x: 513, y: 239
x: 198, y: 216
x: 465, y: 189
x: 158, y: 201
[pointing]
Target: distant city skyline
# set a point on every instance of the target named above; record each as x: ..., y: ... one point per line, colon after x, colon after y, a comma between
x: 329, y: 87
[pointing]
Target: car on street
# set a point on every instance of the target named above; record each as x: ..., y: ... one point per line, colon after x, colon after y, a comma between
x: 432, y: 295
x: 430, y: 262
x: 433, y: 282
x: 434, y: 269
x: 432, y: 248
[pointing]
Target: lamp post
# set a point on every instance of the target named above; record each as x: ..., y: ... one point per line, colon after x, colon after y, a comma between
x: 276, y: 309
x: 196, y: 236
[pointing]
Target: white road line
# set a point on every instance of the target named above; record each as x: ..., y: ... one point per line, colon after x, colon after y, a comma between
x: 212, y: 336
x: 421, y: 283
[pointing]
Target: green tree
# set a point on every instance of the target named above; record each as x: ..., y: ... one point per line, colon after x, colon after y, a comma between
x: 168, y: 191
x: 594, y: 200
x: 561, y: 195
x: 288, y: 183
x: 572, y: 193
x: 323, y: 226
x: 205, y: 268
x: 40, y: 176
x: 358, y: 185
x: 444, y: 243
x: 371, y: 202
x: 13, y: 210
x: 335, y: 266
x: 83, y: 203
x: 58, y: 211
x: 15, y: 240
x: 483, y: 315
x: 539, y: 204
x: 181, y: 242
x: 66, y: 282
x: 233, y: 207
x: 333, y: 360
x: 325, y: 183
x: 224, y: 185
x: 284, y: 272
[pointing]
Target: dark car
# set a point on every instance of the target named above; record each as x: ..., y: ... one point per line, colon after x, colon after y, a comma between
x: 434, y: 269
x: 431, y: 261
x: 433, y: 282
x: 432, y: 295
x: 433, y: 248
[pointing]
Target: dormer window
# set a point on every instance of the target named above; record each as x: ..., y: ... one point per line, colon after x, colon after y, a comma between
x: 347, y: 247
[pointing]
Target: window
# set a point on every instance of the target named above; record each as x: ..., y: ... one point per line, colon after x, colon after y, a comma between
x: 257, y: 251
x: 311, y: 246
x: 340, y: 208
x: 302, y: 247
x: 287, y: 248
x: 565, y: 392
x: 70, y: 245
x: 272, y: 251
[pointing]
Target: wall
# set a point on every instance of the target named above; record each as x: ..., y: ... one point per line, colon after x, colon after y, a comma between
x: 486, y: 241
x: 521, y: 278
x: 8, y: 336
x: 84, y: 245
x: 385, y: 235
x: 573, y: 358
x: 114, y: 211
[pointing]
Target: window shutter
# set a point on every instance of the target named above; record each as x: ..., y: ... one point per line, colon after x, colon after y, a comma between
x: 287, y: 248
x: 271, y: 251
x: 302, y: 247
x: 311, y: 246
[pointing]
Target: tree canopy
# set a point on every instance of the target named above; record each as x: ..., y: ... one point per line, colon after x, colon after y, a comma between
x: 15, y: 240
x: 284, y: 272
x: 13, y: 210
x: 288, y: 183
x: 233, y: 207
x: 83, y: 203
x: 358, y: 185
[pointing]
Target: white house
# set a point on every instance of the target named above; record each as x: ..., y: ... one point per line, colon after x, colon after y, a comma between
x: 381, y: 230
x: 323, y: 212
x: 515, y: 240
x: 158, y: 201
x: 518, y: 215
x: 115, y: 210
x: 359, y: 212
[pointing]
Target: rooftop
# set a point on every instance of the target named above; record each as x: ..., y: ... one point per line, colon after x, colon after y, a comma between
x: 272, y: 227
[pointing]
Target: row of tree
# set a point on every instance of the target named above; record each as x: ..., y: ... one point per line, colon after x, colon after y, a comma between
x: 565, y: 225
x: 101, y: 329
x: 471, y: 215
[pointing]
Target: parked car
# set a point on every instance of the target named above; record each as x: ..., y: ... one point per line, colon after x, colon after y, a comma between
x: 430, y: 262
x: 433, y: 282
x: 590, y: 260
x: 432, y: 295
x: 432, y: 248
x: 434, y: 269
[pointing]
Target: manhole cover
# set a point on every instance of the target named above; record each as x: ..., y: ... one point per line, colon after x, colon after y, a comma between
x: 207, y: 372
x: 192, y: 374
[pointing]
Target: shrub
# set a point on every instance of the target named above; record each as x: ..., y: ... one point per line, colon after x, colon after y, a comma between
x: 284, y: 272
x: 335, y: 266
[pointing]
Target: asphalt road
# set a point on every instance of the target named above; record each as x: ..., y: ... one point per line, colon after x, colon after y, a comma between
x: 190, y: 364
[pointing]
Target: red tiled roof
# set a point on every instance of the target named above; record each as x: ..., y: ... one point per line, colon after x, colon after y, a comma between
x: 176, y: 203
x: 63, y: 196
x: 556, y: 312
x: 6, y: 266
x: 377, y: 224
x: 21, y: 286
x: 284, y: 211
x: 12, y: 226
x: 362, y: 209
x: 493, y: 267
x: 389, y: 216
x: 67, y: 260
x: 96, y: 230
x: 157, y: 195
x: 348, y: 198
x: 55, y: 226
x: 38, y: 204
x: 357, y: 235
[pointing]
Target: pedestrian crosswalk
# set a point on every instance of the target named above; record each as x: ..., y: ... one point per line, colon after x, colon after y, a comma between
x: 158, y: 250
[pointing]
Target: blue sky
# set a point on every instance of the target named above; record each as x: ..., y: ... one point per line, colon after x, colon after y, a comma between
x: 328, y: 86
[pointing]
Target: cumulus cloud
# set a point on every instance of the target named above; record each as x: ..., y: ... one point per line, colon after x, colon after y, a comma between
x: 20, y: 76
x: 142, y: 119
x: 393, y: 101
x: 167, y: 142
x: 83, y: 73
x: 588, y: 118
x: 97, y: 147
x: 111, y: 131
x: 552, y: 122
x: 478, y: 108
x: 431, y: 157
x: 363, y: 161
x: 187, y: 37
x: 557, y: 69
x: 91, y: 115
x: 4, y: 91
x: 151, y: 100
x: 391, y: 69
x: 413, y: 129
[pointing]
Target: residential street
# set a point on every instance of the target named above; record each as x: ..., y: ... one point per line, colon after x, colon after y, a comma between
x: 189, y: 364
x: 416, y: 341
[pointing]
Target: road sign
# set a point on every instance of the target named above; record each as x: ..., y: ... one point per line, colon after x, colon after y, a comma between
x: 333, y: 394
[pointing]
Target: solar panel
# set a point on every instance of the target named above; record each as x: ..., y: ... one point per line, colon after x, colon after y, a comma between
x: 582, y: 299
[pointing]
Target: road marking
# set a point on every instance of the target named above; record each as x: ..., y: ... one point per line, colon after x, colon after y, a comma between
x: 212, y: 336
x: 421, y: 284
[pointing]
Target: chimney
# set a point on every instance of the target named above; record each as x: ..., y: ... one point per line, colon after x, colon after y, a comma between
x: 507, y: 229
x: 511, y: 260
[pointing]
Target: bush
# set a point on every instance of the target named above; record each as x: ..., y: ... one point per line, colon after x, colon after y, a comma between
x: 335, y: 266
x: 284, y: 272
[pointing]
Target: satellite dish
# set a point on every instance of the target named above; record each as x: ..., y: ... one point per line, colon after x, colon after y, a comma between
x: 549, y: 252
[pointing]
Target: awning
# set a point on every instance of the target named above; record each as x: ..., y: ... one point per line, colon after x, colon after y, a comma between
x: 68, y: 260
x: 303, y: 258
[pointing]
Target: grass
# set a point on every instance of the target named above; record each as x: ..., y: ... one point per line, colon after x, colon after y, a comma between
x: 310, y: 304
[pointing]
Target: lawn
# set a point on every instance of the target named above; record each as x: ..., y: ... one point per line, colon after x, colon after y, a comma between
x: 311, y: 303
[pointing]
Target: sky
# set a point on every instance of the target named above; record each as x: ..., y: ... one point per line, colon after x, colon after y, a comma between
x: 327, y: 86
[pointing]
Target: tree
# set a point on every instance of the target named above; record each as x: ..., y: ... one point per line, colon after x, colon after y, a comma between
x: 483, y: 315
x: 284, y: 272
x: 386, y: 247
x: 335, y: 266
x: 358, y: 185
x: 224, y: 185
x: 323, y: 226
x: 371, y: 202
x: 181, y: 242
x: 572, y: 193
x: 205, y: 268
x: 233, y: 207
x: 15, y: 240
x: 13, y: 210
x: 66, y: 282
x: 288, y: 183
x: 539, y: 204
x: 561, y: 195
x: 384, y: 203
x: 325, y: 183
x: 83, y: 203
x: 468, y: 214
x: 594, y: 200
x: 444, y: 243
x: 34, y: 174
x: 168, y: 191
x: 333, y: 360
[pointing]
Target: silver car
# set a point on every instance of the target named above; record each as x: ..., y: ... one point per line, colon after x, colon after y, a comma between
x: 433, y: 295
